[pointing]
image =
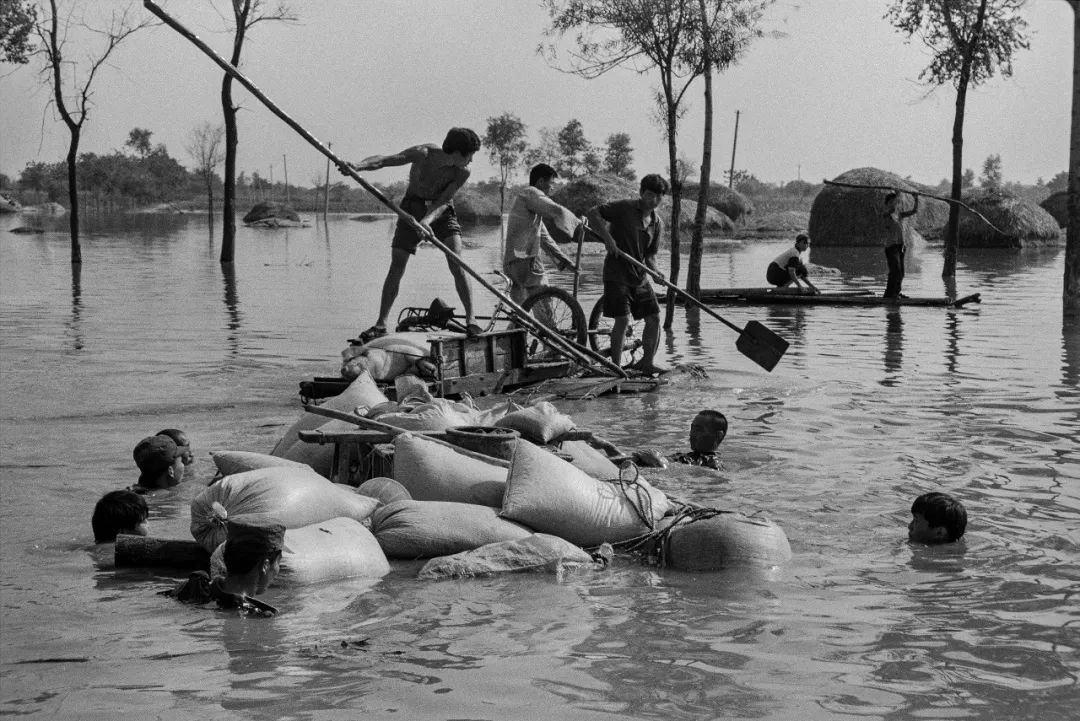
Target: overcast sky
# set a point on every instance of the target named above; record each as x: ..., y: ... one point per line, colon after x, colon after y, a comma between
x: 839, y: 91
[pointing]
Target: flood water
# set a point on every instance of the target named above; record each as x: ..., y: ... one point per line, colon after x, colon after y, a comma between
x: 869, y: 408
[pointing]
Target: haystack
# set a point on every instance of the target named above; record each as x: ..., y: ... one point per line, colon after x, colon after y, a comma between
x: 852, y: 216
x: 730, y: 202
x: 1021, y: 223
x: 270, y: 209
x: 784, y: 221
x: 1057, y: 205
x: 472, y: 206
x: 581, y: 194
x: 715, y: 221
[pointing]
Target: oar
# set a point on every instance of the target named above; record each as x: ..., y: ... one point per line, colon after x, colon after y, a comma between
x: 942, y: 198
x: 755, y: 341
x: 568, y: 348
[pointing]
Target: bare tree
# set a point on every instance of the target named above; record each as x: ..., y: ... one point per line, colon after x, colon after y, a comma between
x: 246, y: 14
x: 206, y: 147
x: 969, y: 41
x: 74, y: 104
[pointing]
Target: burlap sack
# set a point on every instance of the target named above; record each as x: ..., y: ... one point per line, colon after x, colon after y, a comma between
x: 426, y: 529
x: 361, y: 392
x: 430, y: 471
x: 726, y: 540
x: 538, y: 552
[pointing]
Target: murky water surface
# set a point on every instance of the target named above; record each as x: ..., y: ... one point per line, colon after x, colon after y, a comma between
x: 869, y: 408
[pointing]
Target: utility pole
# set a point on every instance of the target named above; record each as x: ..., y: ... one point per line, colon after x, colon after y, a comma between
x: 326, y: 193
x: 734, y: 144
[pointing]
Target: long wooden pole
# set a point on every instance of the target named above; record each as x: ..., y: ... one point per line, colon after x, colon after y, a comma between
x: 942, y: 198
x: 568, y: 348
x: 734, y: 144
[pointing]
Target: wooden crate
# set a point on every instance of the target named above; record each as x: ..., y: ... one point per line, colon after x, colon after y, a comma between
x: 484, y: 364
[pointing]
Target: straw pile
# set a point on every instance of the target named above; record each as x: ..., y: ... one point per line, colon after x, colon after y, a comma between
x: 784, y: 221
x: 270, y: 209
x: 1057, y: 205
x: 852, y: 216
x: 474, y: 207
x: 581, y: 194
x: 730, y: 202
x: 1022, y: 222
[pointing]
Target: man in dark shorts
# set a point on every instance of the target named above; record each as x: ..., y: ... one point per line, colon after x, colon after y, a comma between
x: 633, y: 227
x: 434, y: 176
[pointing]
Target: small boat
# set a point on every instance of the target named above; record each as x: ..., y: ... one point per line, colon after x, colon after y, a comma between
x: 757, y: 296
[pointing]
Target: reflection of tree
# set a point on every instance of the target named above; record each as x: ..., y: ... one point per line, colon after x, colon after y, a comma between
x: 75, y: 325
x: 789, y: 322
x: 952, y: 342
x: 894, y: 348
x: 232, y: 309
x: 1070, y: 352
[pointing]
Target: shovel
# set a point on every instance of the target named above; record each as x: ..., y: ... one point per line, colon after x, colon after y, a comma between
x: 755, y: 341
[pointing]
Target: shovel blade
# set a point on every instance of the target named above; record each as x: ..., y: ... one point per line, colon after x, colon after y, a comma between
x: 761, y: 345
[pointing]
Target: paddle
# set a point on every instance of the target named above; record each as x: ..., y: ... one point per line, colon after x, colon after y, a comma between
x: 755, y: 341
x: 585, y: 356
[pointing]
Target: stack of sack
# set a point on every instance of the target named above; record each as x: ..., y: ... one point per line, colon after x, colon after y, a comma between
x: 390, y: 356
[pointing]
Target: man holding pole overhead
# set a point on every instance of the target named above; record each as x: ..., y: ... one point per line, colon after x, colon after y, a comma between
x: 632, y: 227
x: 435, y: 175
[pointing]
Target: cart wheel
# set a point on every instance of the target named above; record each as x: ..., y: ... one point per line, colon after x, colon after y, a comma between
x: 558, y: 310
x: 600, y: 335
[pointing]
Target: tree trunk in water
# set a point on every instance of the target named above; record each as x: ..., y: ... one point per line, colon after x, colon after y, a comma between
x: 697, y: 240
x: 73, y: 195
x: 1071, y: 293
x: 228, y: 202
x: 676, y: 201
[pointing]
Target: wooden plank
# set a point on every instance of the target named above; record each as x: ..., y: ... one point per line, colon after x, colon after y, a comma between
x: 824, y: 299
x: 147, y: 551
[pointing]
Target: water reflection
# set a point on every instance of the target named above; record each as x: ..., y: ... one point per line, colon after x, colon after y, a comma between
x: 233, y: 316
x: 1070, y: 352
x: 894, y: 348
x: 74, y: 325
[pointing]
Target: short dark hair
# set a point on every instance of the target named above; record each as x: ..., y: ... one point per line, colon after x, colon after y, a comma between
x: 716, y: 417
x: 802, y: 236
x: 541, y: 171
x: 656, y: 183
x: 461, y: 140
x: 248, y: 545
x: 117, y: 511
x: 942, y: 510
x: 178, y: 436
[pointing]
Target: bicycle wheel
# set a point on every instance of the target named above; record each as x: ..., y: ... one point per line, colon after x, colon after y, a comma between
x: 558, y: 310
x: 600, y: 336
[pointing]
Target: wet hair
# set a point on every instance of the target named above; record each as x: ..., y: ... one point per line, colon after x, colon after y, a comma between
x: 717, y: 418
x: 802, y: 236
x: 942, y: 510
x: 178, y: 436
x: 541, y: 171
x: 117, y: 511
x: 655, y: 183
x: 248, y: 545
x: 461, y: 140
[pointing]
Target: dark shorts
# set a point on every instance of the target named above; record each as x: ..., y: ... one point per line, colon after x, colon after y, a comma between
x: 405, y: 236
x: 778, y: 276
x: 621, y: 299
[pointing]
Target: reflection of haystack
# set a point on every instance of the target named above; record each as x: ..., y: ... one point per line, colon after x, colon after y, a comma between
x: 1021, y: 222
x: 1057, y: 205
x: 581, y: 194
x: 853, y: 216
x: 730, y: 202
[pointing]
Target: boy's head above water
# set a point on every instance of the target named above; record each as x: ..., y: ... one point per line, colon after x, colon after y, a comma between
x: 707, y: 430
x: 937, y: 518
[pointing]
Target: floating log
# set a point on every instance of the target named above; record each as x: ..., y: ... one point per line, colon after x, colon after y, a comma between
x: 147, y: 551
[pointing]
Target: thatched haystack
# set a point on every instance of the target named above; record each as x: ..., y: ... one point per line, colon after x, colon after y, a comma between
x: 474, y: 207
x: 715, y: 221
x: 581, y: 194
x: 270, y: 209
x: 1021, y: 222
x: 784, y: 221
x: 9, y: 205
x: 730, y: 202
x: 852, y: 216
x: 1057, y: 205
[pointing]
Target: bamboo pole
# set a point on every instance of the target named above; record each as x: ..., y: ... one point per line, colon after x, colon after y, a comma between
x: 942, y: 198
x: 582, y: 354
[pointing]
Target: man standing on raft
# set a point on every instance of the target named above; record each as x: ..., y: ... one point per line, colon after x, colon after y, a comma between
x: 896, y: 241
x: 435, y: 175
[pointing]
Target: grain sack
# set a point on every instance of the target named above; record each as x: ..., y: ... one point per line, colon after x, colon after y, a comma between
x: 591, y: 460
x: 294, y: 497
x: 435, y: 415
x: 540, y: 423
x: 384, y: 490
x: 230, y: 462
x: 319, y: 456
x: 431, y: 471
x: 387, y: 357
x: 361, y: 392
x: 552, y: 496
x: 426, y: 529
x: 329, y: 551
x: 726, y: 540
x: 538, y: 552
